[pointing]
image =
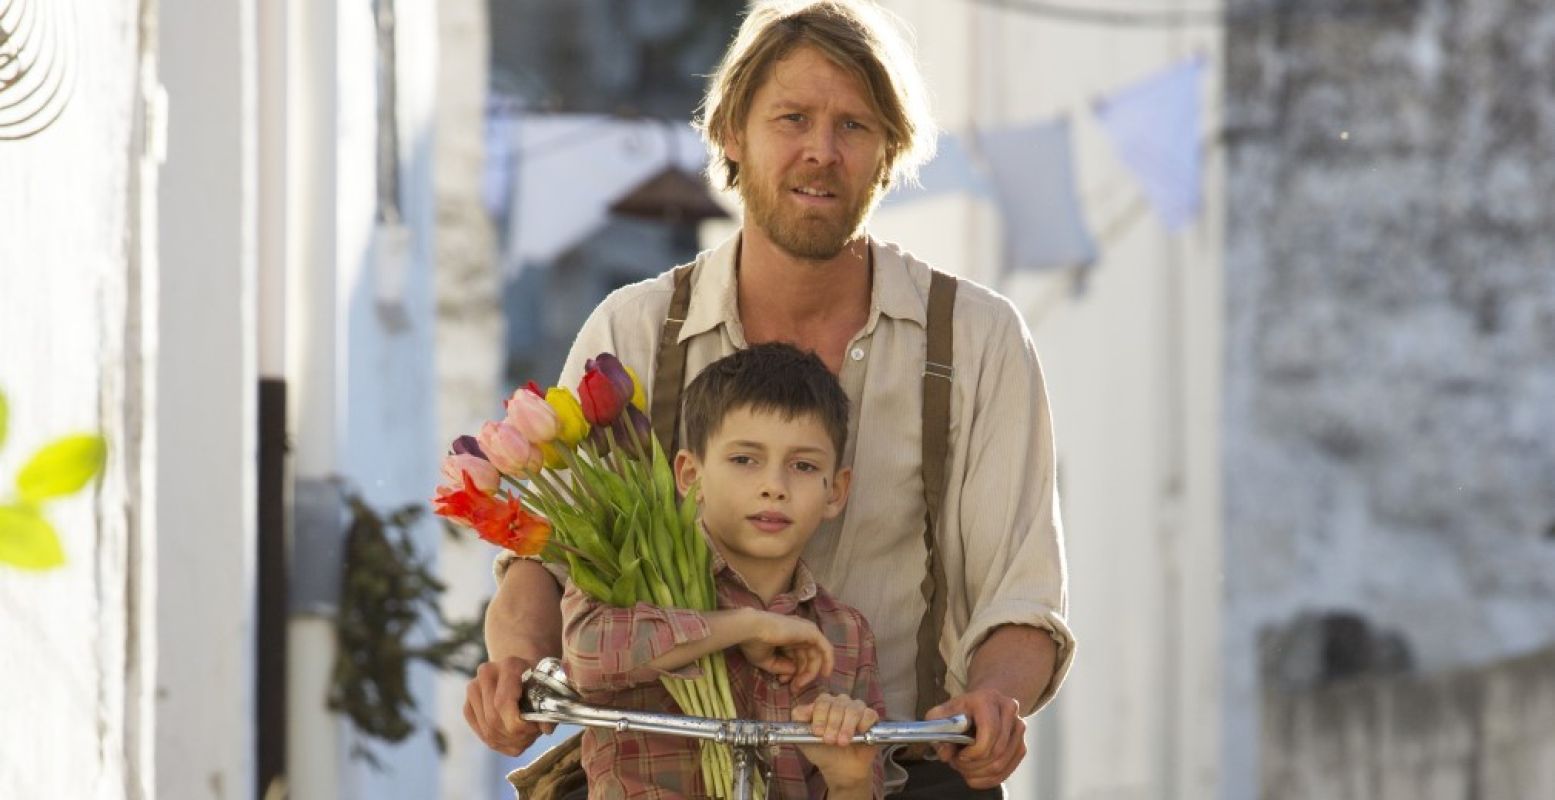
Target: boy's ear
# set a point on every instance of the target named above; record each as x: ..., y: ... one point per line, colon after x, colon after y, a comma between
x: 687, y: 470
x: 837, y: 498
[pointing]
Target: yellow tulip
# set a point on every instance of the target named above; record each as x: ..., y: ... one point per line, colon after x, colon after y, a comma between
x: 569, y: 413
x: 552, y: 454
x: 639, y: 398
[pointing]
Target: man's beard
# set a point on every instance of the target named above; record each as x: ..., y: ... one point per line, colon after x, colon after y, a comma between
x: 813, y: 235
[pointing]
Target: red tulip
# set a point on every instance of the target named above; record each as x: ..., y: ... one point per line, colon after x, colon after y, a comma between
x: 602, y: 401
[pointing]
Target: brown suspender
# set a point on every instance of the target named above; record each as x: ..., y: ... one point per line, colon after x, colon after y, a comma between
x: 670, y: 372
x: 938, y: 370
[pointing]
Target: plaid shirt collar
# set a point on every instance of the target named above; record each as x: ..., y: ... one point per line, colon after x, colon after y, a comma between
x: 801, y: 591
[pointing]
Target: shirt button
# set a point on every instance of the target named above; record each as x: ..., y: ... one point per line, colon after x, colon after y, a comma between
x: 858, y: 354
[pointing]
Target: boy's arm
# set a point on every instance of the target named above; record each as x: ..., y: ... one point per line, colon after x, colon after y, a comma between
x: 608, y: 648
x: 838, y: 779
x: 791, y: 648
x: 867, y: 687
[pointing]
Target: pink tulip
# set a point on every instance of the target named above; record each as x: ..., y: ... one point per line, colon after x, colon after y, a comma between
x: 531, y: 416
x: 509, y: 451
x: 481, y: 472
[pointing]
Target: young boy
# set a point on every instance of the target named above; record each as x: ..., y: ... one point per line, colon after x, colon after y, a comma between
x: 765, y: 429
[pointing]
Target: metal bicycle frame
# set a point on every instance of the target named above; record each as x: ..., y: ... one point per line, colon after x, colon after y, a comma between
x: 548, y: 697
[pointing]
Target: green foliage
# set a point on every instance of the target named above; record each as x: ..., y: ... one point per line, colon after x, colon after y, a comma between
x: 27, y: 540
x: 387, y: 597
x: 62, y: 467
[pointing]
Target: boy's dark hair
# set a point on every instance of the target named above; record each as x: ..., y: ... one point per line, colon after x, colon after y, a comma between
x: 773, y: 377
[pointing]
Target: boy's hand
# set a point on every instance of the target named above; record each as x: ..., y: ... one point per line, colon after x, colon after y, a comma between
x: 836, y: 719
x: 791, y: 648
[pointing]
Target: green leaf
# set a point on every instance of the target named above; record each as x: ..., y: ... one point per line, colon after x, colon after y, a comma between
x: 27, y: 540
x: 584, y: 576
x: 663, y: 481
x: 624, y: 593
x: 5, y: 414
x: 62, y: 467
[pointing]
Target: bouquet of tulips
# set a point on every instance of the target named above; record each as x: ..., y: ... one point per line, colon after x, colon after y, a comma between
x: 581, y: 480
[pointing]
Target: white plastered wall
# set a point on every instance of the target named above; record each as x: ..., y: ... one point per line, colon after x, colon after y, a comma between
x: 77, y: 646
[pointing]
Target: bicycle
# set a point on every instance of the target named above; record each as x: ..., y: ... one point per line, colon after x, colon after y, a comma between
x: 549, y: 698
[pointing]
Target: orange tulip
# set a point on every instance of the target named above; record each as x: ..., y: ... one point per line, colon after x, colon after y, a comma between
x: 503, y: 521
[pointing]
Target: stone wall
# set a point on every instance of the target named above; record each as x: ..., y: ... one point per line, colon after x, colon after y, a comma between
x: 1483, y: 734
x: 1390, y: 384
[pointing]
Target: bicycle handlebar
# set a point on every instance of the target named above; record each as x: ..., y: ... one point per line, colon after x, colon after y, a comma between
x: 548, y: 697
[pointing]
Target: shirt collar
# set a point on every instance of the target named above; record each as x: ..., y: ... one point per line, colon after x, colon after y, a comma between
x: 896, y: 293
x: 715, y: 299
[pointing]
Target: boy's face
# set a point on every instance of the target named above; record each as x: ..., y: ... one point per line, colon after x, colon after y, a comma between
x: 767, y: 484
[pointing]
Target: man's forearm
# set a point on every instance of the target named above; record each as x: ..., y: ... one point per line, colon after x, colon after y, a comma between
x: 524, y: 618
x: 1016, y: 661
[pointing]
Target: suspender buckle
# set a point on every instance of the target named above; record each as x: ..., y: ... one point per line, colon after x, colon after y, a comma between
x: 938, y: 370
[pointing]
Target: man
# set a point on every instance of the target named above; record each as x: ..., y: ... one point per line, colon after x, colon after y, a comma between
x: 814, y: 112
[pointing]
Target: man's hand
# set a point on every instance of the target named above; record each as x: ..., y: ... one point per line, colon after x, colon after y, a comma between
x: 1011, y: 668
x: 848, y: 768
x: 792, y: 648
x: 491, y: 706
x: 999, y: 739
x: 523, y: 624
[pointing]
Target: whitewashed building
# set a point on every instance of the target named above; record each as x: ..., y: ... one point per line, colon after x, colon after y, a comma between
x: 218, y: 254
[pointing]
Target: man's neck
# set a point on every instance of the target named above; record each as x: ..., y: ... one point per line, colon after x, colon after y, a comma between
x: 779, y: 292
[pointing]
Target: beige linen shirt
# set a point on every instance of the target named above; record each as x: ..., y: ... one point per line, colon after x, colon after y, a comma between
x: 1001, y: 537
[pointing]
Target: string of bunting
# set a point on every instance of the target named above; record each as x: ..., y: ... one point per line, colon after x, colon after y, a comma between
x: 1027, y: 170
x: 1243, y: 14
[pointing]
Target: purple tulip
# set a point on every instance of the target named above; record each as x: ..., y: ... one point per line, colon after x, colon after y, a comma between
x: 468, y: 445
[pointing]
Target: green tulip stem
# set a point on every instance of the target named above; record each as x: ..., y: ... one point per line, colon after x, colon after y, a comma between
x: 559, y: 493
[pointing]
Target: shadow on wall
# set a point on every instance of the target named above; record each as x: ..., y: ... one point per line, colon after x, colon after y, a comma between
x: 1319, y: 648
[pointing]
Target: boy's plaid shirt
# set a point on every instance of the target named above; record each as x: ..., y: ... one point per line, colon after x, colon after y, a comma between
x: 606, y: 652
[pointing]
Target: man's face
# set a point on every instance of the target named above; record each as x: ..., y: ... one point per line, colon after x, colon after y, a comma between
x: 767, y: 483
x: 811, y: 156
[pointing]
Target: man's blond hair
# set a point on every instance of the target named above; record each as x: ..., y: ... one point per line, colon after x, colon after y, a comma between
x: 860, y: 38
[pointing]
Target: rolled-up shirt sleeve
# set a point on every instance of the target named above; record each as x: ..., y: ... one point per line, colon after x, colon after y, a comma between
x: 1008, y: 530
x: 607, y: 649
